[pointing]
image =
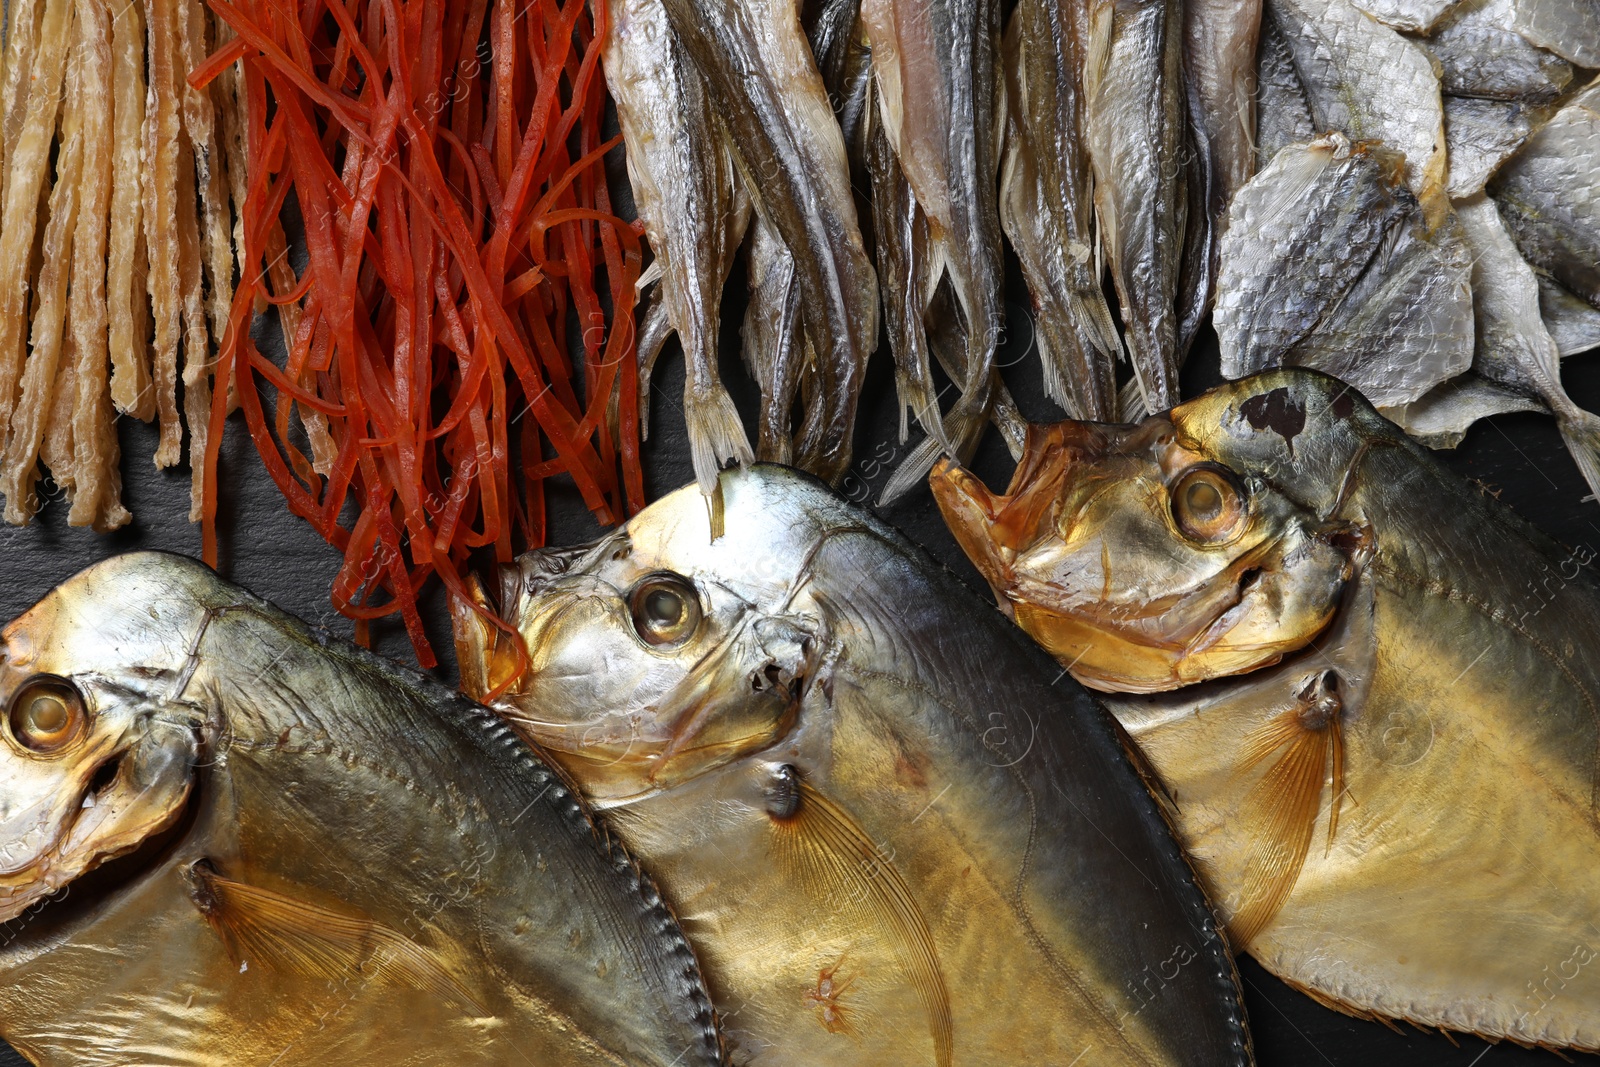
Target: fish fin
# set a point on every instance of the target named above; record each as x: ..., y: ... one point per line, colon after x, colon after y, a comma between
x: 280, y: 933
x: 1580, y: 431
x: 823, y: 848
x: 1282, y: 809
x: 716, y: 433
x: 1131, y: 403
x: 655, y: 326
x: 486, y: 654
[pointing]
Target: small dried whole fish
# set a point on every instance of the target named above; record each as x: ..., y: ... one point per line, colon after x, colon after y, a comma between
x: 1333, y: 678
x: 683, y: 184
x: 1047, y: 206
x: 763, y: 80
x: 1480, y: 53
x: 1283, y: 114
x: 891, y: 838
x: 1136, y: 126
x: 280, y: 848
x: 1550, y: 198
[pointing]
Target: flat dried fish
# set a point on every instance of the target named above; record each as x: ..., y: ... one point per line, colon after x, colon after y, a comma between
x: 1573, y: 323
x: 1283, y: 114
x: 1483, y: 134
x: 1371, y: 84
x: 1569, y: 28
x: 1480, y: 53
x: 1219, y: 50
x: 1416, y: 16
x: 1550, y: 197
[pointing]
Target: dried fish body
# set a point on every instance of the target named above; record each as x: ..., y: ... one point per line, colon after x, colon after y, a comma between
x: 1136, y: 122
x: 1298, y: 238
x: 1371, y: 84
x: 1047, y: 206
x: 274, y: 873
x: 1569, y: 28
x: 808, y: 709
x: 1220, y: 50
x: 1415, y: 16
x: 1483, y: 134
x: 683, y: 183
x: 1283, y: 114
x: 1406, y: 325
x: 939, y: 96
x: 1442, y: 418
x: 763, y: 82
x: 1574, y: 324
x: 1332, y: 676
x: 1550, y: 197
x: 774, y: 345
x: 1480, y: 53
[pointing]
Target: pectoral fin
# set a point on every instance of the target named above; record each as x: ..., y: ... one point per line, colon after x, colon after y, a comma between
x: 823, y: 849
x: 265, y: 929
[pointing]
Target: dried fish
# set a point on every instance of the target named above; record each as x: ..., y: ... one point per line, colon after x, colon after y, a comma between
x: 162, y: 127
x: 1283, y: 114
x: 1569, y: 28
x: 132, y: 389
x: 1047, y: 206
x: 1136, y: 122
x: 1573, y: 323
x: 1483, y: 134
x: 683, y: 184
x: 1550, y: 198
x: 1416, y: 16
x: 1480, y: 53
x: 763, y: 82
x: 1220, y: 50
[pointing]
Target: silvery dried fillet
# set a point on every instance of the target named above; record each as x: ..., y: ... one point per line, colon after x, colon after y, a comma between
x: 94, y: 447
x: 1283, y: 117
x: 1371, y: 84
x: 1550, y: 197
x: 19, y: 466
x: 1574, y: 324
x: 28, y: 165
x: 197, y: 361
x: 1299, y: 235
x: 683, y: 184
x: 162, y: 130
x: 22, y: 37
x: 131, y: 387
x: 1481, y: 135
x: 1136, y: 127
x: 1569, y: 28
x: 1047, y: 208
x: 1480, y: 53
x: 763, y: 83
x: 1405, y: 326
x: 1413, y: 16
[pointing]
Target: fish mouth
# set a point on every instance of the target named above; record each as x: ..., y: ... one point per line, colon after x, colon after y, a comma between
x: 133, y: 795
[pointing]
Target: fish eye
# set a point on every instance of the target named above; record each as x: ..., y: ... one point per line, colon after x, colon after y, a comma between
x: 1207, y: 504
x: 666, y: 610
x: 47, y: 714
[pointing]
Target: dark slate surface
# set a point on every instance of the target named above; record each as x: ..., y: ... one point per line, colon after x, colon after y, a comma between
x: 278, y: 556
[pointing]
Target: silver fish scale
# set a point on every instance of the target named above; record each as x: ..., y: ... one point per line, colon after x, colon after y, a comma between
x: 1298, y: 236
x: 1481, y: 54
x: 1481, y: 135
x: 1283, y: 116
x: 1368, y: 82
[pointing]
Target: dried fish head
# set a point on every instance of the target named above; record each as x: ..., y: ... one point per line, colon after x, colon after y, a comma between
x: 1164, y: 553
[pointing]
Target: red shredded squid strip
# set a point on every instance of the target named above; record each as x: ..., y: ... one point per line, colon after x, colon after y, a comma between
x: 446, y: 161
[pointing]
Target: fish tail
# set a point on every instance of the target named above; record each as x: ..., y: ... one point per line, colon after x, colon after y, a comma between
x: 1581, y: 432
x: 716, y: 434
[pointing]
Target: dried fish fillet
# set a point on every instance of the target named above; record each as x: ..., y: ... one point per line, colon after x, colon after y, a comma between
x: 1371, y: 84
x: 1483, y: 134
x: 131, y: 387
x: 1047, y: 208
x: 1298, y: 237
x: 1480, y: 53
x: 1283, y: 115
x: 1550, y: 197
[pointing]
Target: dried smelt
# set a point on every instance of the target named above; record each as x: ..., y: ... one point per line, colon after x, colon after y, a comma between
x: 939, y: 103
x: 763, y: 83
x: 1483, y: 134
x: 1298, y: 237
x: 1047, y: 207
x: 1136, y: 123
x: 1480, y: 53
x: 683, y: 183
x: 774, y: 345
x: 1220, y: 54
x: 1551, y: 200
x: 1366, y: 81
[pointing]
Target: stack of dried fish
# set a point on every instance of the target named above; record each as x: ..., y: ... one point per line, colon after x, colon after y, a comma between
x: 1426, y: 221
x: 116, y: 253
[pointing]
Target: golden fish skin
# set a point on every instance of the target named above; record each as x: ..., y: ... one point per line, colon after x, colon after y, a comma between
x: 300, y: 854
x: 1395, y: 802
x: 892, y: 840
